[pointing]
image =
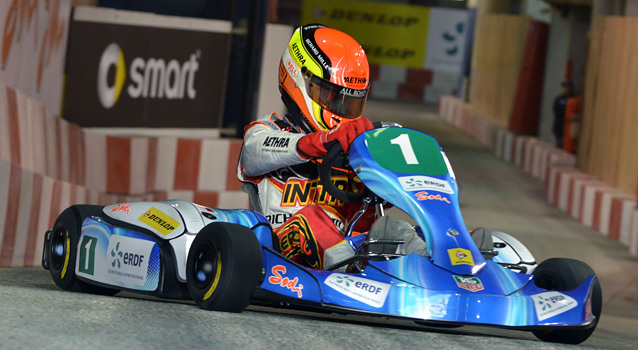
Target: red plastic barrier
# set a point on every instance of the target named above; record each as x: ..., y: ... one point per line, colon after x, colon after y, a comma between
x: 527, y: 101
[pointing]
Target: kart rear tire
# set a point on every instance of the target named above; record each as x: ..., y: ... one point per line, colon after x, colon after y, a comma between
x: 562, y: 274
x: 224, y: 266
x: 64, y: 245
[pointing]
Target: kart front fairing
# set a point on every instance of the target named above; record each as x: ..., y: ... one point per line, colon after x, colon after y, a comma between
x: 496, y: 296
x: 454, y: 284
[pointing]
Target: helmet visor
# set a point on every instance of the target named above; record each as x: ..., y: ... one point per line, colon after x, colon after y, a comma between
x: 340, y: 100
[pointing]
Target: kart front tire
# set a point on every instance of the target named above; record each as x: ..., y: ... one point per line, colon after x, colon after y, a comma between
x: 223, y: 267
x: 64, y: 244
x: 562, y: 274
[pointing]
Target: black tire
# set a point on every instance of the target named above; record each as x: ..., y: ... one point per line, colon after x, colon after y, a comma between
x: 562, y: 274
x: 223, y: 267
x: 64, y: 245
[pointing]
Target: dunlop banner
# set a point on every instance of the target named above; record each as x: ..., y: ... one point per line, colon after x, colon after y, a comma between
x: 131, y: 69
x: 390, y: 33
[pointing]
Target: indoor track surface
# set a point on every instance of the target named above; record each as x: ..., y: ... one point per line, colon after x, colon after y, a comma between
x: 34, y: 313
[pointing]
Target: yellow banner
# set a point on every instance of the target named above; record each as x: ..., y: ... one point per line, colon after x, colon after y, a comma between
x: 389, y: 33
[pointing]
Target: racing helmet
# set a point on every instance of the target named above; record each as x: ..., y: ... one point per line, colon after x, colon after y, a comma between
x: 323, y: 78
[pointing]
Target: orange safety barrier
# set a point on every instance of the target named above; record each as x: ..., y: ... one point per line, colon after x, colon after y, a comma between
x: 572, y: 123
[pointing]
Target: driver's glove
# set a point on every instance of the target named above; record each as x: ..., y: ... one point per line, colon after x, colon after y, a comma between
x: 314, y: 145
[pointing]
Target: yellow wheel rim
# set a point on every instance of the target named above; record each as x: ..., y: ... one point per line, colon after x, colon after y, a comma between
x: 217, y: 276
x: 66, y: 258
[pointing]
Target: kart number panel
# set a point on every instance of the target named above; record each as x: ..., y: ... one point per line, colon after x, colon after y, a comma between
x: 117, y: 257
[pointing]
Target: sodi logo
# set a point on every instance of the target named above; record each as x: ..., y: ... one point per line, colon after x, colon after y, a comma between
x: 149, y: 78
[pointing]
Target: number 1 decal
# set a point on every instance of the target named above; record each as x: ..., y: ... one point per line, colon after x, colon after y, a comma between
x: 87, y: 255
x: 403, y: 141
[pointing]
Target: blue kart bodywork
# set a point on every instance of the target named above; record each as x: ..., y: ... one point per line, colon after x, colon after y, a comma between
x: 146, y: 247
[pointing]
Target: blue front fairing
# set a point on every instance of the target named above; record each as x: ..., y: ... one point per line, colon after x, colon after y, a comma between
x: 413, y: 287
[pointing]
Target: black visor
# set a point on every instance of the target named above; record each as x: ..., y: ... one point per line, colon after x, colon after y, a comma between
x: 340, y: 100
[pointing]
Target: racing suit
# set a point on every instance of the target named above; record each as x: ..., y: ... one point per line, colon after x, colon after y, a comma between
x: 308, y: 223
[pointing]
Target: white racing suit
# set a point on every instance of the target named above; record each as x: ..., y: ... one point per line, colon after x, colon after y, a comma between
x: 308, y: 223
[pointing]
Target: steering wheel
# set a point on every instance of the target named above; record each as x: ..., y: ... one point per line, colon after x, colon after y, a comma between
x: 335, y: 156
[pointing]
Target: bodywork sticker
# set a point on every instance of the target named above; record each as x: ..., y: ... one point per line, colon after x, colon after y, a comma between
x: 425, y: 183
x: 473, y: 284
x: 160, y: 221
x: 550, y: 304
x: 364, y: 290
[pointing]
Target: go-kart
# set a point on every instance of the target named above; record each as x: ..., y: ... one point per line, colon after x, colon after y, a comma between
x: 224, y: 259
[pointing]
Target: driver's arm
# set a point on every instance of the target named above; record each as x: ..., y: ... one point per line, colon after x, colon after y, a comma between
x: 267, y: 148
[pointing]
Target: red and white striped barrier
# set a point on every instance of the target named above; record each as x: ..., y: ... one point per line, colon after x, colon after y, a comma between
x: 37, y: 141
x: 595, y: 204
x: 48, y: 164
x: 137, y: 165
x: 30, y: 203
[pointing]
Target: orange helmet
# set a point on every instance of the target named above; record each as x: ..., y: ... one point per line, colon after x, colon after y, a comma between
x: 323, y: 77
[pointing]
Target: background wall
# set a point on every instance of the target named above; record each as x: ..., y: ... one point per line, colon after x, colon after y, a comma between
x: 269, y: 98
x: 499, y: 44
x: 608, y: 146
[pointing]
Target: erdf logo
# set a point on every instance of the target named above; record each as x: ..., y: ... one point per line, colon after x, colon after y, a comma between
x: 109, y: 94
x: 150, y: 78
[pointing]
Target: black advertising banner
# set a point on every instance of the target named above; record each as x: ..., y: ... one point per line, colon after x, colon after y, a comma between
x: 128, y: 69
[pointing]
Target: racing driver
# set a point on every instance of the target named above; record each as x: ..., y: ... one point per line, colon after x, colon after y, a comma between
x: 323, y: 80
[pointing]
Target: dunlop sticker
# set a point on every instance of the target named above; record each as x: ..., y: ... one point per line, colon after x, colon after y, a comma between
x: 160, y: 221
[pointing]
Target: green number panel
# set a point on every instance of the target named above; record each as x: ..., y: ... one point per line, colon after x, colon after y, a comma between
x: 406, y: 151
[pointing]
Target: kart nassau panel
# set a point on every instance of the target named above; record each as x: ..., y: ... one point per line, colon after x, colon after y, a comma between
x: 117, y: 257
x: 436, y: 294
x: 408, y: 169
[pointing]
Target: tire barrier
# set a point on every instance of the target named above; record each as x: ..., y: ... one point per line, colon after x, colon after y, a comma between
x: 595, y: 204
x: 48, y: 164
